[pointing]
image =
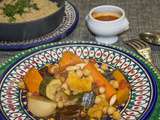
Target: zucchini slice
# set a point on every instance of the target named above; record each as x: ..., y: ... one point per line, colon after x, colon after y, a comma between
x: 49, y: 87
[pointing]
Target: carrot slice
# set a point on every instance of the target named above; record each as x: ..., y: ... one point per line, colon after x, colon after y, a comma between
x: 33, y: 79
x: 100, y: 80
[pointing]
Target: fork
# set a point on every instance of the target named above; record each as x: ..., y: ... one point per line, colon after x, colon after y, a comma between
x: 141, y: 47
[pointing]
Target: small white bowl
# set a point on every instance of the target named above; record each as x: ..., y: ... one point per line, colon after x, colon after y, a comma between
x: 107, y: 31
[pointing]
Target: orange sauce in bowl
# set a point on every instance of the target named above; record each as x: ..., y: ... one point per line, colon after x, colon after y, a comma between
x: 104, y: 16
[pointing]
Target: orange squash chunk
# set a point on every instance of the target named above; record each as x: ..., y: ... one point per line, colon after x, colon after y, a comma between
x: 32, y: 80
x: 118, y: 75
x: 78, y: 84
x: 69, y: 58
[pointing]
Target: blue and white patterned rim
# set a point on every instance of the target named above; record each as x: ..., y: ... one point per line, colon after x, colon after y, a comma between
x: 68, y: 24
x: 138, y: 59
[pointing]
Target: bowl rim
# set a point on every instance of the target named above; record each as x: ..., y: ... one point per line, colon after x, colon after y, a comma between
x: 107, y: 6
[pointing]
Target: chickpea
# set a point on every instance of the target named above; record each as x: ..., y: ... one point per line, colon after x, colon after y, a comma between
x: 114, y: 83
x: 98, y: 99
x: 60, y: 104
x: 83, y: 114
x: 52, y: 119
x: 1, y: 11
x: 116, y: 115
x: 21, y: 85
x: 29, y: 94
x: 53, y: 68
x: 100, y: 70
x: 98, y: 114
x: 86, y: 72
x: 67, y: 92
x: 113, y: 100
x: 104, y: 66
x: 75, y: 92
x: 81, y: 65
x: 79, y: 73
x: 70, y: 68
x: 65, y: 86
x: 103, y: 96
x: 105, y: 110
x: 92, y: 119
x: 102, y: 90
x: 62, y: 79
x: 111, y: 110
x: 96, y: 65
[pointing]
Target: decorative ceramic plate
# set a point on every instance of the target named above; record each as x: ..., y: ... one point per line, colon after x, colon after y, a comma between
x: 140, y: 74
x: 68, y: 24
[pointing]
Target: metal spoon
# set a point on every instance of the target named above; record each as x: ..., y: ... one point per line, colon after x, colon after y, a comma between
x: 150, y: 37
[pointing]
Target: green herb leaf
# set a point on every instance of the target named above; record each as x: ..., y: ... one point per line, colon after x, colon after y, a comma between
x: 9, y: 10
x: 18, y: 8
x: 12, y: 19
x: 34, y: 6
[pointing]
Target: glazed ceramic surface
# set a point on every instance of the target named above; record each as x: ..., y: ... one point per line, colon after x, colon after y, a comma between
x: 139, y: 73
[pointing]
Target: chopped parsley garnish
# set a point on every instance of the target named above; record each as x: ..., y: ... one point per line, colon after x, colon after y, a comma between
x: 18, y: 8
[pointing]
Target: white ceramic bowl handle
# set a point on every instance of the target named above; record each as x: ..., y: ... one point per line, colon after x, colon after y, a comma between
x: 87, y: 18
x: 125, y: 24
